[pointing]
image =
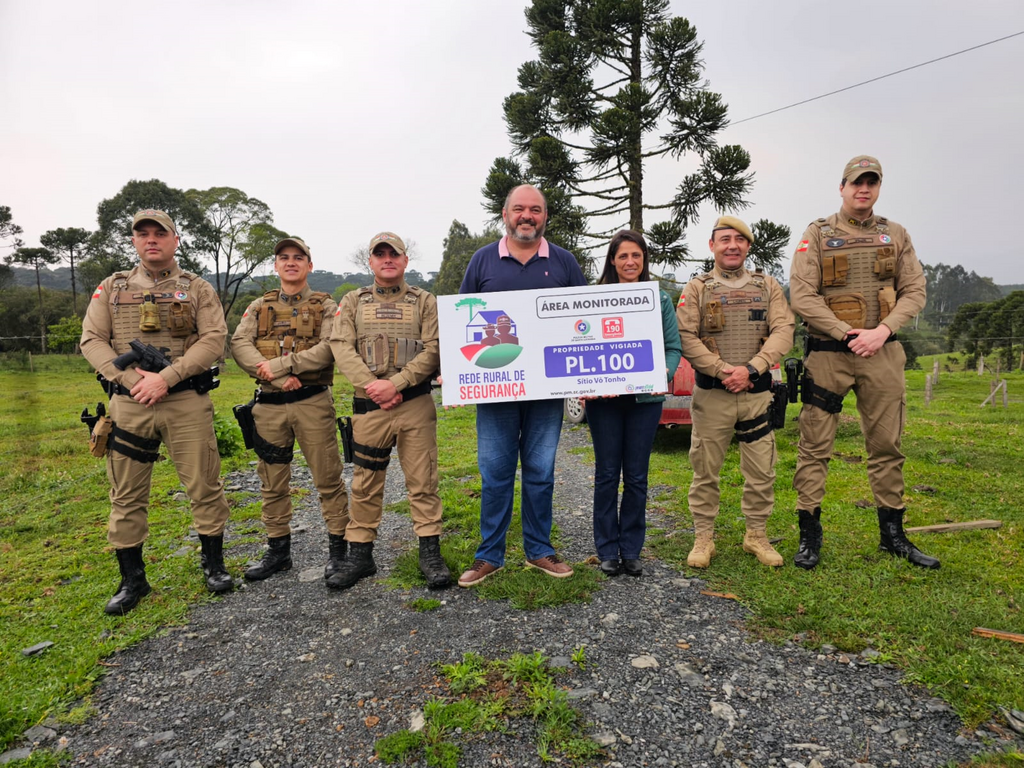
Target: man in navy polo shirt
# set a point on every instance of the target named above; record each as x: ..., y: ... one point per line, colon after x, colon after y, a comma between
x: 529, y: 430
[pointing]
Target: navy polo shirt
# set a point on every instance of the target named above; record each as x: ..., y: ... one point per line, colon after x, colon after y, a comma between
x: 493, y: 268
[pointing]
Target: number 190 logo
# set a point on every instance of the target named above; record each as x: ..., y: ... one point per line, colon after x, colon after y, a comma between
x: 611, y: 328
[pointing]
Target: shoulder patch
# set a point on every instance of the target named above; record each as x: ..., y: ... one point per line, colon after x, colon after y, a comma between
x: 98, y: 292
x: 802, y: 248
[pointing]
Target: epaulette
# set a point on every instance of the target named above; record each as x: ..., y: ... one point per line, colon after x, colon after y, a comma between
x: 824, y: 226
x: 365, y: 293
x: 273, y: 295
x: 319, y: 296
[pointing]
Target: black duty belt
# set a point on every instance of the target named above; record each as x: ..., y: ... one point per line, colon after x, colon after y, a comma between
x: 296, y: 395
x: 113, y: 388
x: 761, y: 384
x: 365, y: 404
x: 831, y: 345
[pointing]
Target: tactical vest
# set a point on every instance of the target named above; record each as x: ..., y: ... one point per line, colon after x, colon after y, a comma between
x: 169, y: 314
x: 283, y: 328
x: 388, y: 333
x: 734, y: 321
x: 857, y: 273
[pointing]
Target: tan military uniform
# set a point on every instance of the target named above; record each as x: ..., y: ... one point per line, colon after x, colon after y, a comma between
x: 188, y: 321
x: 849, y: 274
x: 391, y: 332
x: 293, y: 332
x: 734, y: 318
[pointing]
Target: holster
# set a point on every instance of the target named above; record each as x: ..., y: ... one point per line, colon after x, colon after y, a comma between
x: 819, y: 397
x: 794, y: 372
x: 777, y: 409
x: 270, y: 453
x: 345, y: 428
x: 243, y: 415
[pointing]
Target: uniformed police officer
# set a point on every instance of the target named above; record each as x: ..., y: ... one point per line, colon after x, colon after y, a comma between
x: 160, y: 305
x: 734, y: 326
x: 855, y: 282
x: 385, y: 342
x: 282, y: 341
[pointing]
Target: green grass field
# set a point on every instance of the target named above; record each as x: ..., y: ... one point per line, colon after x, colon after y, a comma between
x: 963, y: 463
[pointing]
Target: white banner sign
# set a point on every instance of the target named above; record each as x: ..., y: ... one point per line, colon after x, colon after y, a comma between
x: 551, y: 343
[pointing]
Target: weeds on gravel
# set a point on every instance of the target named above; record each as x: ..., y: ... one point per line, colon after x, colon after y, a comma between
x: 423, y: 605
x: 492, y: 696
x: 963, y: 463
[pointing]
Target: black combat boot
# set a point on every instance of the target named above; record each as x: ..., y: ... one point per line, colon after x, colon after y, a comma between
x: 810, y: 539
x: 133, y: 586
x: 895, y: 541
x: 217, y: 578
x: 278, y: 557
x: 432, y: 564
x: 337, y: 548
x: 358, y: 564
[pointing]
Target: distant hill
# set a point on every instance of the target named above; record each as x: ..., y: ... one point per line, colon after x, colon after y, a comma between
x: 60, y: 279
x: 1008, y: 289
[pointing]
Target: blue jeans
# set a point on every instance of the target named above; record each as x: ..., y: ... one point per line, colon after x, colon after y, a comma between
x: 506, y: 433
x: 623, y: 432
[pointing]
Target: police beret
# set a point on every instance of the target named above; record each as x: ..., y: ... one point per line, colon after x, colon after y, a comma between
x: 731, y: 222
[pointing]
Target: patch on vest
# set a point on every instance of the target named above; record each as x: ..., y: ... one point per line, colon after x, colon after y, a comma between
x: 739, y: 297
x: 835, y: 242
x: 885, y: 238
x: 388, y: 312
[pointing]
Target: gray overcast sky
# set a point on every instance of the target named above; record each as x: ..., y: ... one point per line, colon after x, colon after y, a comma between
x: 348, y: 118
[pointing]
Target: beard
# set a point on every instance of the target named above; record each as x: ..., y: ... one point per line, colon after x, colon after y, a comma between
x: 538, y: 233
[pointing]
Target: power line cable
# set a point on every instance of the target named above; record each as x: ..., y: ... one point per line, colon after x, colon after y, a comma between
x: 880, y: 77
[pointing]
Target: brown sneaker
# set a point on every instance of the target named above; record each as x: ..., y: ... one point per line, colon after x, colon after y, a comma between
x: 757, y: 544
x: 552, y: 565
x: 476, y: 573
x: 702, y: 552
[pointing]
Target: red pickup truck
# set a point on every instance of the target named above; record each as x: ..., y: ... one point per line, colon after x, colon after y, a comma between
x: 677, y: 403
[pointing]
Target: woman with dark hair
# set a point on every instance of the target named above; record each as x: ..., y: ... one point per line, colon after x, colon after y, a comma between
x: 622, y: 428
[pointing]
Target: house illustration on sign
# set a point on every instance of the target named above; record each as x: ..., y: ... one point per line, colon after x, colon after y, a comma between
x: 475, y: 327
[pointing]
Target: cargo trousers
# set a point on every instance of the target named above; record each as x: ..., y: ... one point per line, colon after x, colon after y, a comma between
x: 882, y: 402
x: 716, y: 412
x: 312, y: 423
x: 412, y: 426
x: 184, y: 423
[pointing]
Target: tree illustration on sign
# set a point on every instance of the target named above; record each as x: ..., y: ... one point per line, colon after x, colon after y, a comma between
x: 471, y: 302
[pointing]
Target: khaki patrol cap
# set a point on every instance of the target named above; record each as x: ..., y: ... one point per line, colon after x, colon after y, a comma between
x: 390, y: 238
x: 731, y: 222
x: 860, y: 165
x: 293, y: 241
x: 158, y: 217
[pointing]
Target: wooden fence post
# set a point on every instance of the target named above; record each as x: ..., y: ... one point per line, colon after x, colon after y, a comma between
x: 981, y: 364
x: 927, y: 389
x: 935, y: 372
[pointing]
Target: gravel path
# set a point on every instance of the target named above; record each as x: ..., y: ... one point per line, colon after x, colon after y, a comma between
x: 286, y: 673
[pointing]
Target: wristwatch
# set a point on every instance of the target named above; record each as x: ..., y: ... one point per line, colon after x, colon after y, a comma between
x: 753, y: 372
